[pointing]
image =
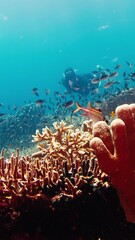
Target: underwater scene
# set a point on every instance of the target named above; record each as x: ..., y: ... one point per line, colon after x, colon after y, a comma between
x: 67, y: 120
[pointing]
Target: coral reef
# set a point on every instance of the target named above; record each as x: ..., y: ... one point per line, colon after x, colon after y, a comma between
x: 113, y: 101
x: 59, y: 192
x: 115, y: 149
x: 64, y: 171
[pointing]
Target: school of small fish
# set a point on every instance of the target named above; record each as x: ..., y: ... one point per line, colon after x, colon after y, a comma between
x: 18, y: 123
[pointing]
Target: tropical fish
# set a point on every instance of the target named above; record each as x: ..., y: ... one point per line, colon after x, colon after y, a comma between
x: 133, y: 75
x: 95, y: 80
x: 112, y: 114
x: 124, y: 74
x: 92, y: 113
x: 35, y: 91
x: 104, y: 77
x: 113, y: 74
x: 129, y: 64
x: 108, y: 84
x: 39, y: 102
x: 68, y: 104
x: 47, y: 91
x: 118, y: 66
x: 76, y: 88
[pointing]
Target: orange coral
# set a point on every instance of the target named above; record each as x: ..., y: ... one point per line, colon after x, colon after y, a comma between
x: 114, y: 146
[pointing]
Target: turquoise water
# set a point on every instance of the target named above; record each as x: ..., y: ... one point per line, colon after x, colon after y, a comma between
x: 39, y: 39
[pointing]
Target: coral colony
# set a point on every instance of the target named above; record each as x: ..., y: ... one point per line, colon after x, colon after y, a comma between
x: 72, y: 174
x: 115, y: 150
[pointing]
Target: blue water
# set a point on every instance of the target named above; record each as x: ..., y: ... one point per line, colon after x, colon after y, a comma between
x: 39, y: 39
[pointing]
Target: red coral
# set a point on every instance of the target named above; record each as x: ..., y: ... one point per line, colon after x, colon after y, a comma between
x: 114, y: 146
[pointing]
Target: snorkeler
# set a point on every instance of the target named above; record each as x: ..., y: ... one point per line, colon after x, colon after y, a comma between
x: 78, y: 83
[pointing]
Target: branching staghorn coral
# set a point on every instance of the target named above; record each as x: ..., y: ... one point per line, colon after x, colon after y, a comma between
x: 63, y: 166
x: 114, y: 146
x: 65, y: 143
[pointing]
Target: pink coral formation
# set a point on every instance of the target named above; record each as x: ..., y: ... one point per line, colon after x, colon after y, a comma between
x: 114, y: 147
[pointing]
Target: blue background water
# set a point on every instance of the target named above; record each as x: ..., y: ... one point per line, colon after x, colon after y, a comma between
x: 39, y: 39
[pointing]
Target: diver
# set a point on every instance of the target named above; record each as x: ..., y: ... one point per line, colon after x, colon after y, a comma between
x: 78, y: 83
